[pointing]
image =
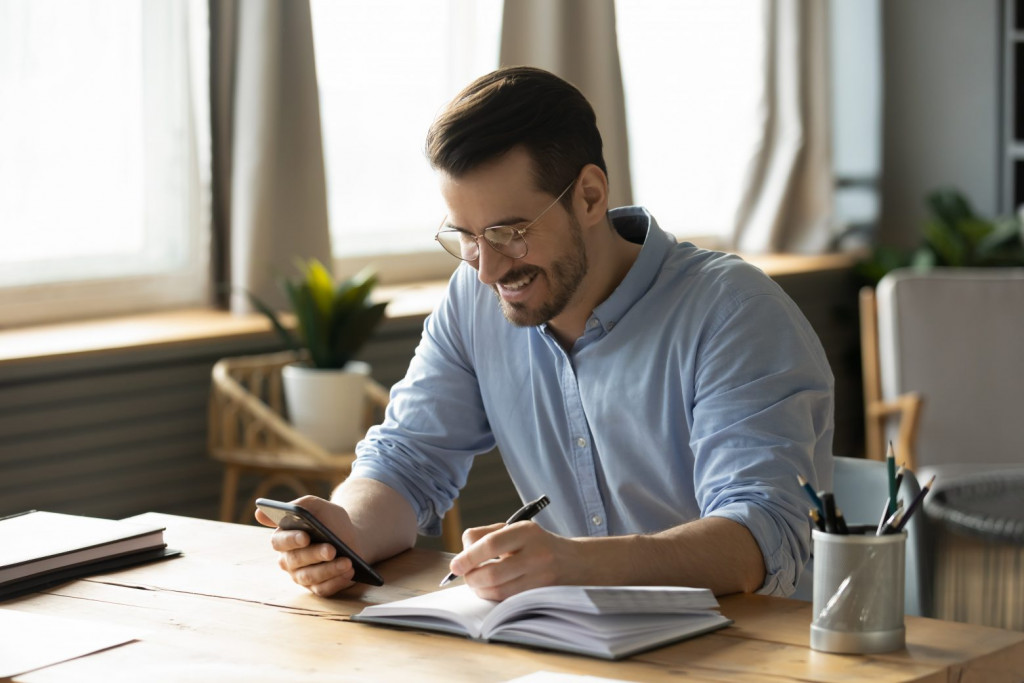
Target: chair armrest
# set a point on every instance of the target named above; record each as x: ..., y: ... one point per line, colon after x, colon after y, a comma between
x: 907, y: 407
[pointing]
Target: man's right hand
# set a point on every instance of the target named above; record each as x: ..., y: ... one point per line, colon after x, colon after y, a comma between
x: 314, y: 566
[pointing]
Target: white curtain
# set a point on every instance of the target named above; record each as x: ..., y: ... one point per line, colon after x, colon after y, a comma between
x: 270, y: 199
x: 575, y: 39
x: 788, y: 196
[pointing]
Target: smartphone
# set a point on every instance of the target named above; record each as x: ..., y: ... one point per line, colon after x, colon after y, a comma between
x: 292, y: 517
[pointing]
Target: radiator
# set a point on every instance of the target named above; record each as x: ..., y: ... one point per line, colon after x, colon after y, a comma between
x: 114, y: 435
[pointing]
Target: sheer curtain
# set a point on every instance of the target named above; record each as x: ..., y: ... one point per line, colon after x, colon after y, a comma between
x: 269, y: 195
x: 781, y: 193
x: 788, y: 196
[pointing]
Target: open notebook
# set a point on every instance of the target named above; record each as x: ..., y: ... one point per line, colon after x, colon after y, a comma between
x: 609, y: 622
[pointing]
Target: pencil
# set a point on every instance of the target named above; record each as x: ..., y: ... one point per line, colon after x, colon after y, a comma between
x: 890, y: 464
x: 841, y: 522
x: 899, y: 477
x: 811, y: 494
x: 829, y: 503
x: 881, y: 521
x: 914, y: 504
x: 815, y: 519
x: 890, y: 524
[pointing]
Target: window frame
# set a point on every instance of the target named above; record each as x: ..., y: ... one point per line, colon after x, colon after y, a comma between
x: 181, y: 285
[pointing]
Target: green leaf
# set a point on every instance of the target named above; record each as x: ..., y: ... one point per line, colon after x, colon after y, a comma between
x: 333, y: 321
x: 947, y: 244
x: 1005, y: 235
x: 320, y: 286
x: 974, y: 230
x: 287, y: 337
x: 309, y: 320
x: 360, y: 326
x: 949, y: 206
x: 923, y: 259
x: 954, y: 235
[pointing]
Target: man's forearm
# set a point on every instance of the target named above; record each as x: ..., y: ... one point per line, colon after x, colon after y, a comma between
x: 713, y: 552
x: 383, y: 520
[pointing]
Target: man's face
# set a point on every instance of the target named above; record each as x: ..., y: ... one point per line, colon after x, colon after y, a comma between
x: 540, y: 286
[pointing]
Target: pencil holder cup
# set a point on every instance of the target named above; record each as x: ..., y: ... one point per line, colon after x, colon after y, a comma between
x: 858, y: 592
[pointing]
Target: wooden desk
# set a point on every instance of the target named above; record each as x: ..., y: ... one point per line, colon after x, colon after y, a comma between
x: 225, y: 612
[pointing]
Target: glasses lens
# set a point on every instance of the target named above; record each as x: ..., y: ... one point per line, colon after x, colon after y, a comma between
x: 506, y: 240
x: 459, y: 244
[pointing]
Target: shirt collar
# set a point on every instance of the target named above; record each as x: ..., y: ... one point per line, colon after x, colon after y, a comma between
x: 636, y: 224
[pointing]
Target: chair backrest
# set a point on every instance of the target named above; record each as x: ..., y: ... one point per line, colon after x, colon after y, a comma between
x: 861, y: 489
x: 956, y: 336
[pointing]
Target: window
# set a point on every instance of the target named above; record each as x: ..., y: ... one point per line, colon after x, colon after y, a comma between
x: 385, y: 69
x: 692, y: 72
x: 100, y: 192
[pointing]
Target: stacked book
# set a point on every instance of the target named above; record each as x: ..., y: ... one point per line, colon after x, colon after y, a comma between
x: 42, y: 549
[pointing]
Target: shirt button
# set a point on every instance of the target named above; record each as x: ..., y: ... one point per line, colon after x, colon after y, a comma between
x: 593, y: 323
x: 581, y: 442
x: 596, y: 519
x: 611, y: 325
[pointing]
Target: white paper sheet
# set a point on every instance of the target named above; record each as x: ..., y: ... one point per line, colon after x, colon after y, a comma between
x: 33, y: 641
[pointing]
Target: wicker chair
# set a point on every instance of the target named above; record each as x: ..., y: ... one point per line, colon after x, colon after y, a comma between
x: 249, y: 434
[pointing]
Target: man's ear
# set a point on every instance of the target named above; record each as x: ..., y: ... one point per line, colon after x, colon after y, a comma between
x: 592, y: 189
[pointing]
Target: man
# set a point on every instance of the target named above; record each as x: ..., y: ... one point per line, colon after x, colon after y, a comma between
x: 664, y: 397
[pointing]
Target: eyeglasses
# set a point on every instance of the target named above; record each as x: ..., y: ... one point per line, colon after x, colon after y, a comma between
x: 507, y: 240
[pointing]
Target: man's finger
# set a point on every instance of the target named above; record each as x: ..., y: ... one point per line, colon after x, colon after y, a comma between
x: 319, y: 553
x: 263, y: 519
x: 324, y: 573
x: 501, y: 541
x: 284, y: 541
x: 474, y: 534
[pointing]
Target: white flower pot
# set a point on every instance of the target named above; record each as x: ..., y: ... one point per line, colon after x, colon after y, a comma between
x: 327, y: 405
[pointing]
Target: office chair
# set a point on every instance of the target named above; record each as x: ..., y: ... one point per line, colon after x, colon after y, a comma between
x: 951, y: 336
x: 861, y: 488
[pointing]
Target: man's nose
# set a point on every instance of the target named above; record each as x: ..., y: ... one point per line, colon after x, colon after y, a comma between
x: 490, y: 265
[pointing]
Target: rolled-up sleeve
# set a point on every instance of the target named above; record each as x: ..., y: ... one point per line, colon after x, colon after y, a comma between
x: 427, y: 453
x: 763, y: 414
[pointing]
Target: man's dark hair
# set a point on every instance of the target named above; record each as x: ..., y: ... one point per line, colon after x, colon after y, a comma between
x: 518, y: 106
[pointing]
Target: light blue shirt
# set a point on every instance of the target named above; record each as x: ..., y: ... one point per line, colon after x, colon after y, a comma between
x: 698, y: 389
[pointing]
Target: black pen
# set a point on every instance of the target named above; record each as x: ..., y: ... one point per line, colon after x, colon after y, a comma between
x: 524, y: 513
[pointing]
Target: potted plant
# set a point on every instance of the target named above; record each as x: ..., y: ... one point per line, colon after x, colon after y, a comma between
x: 953, y: 236
x: 325, y: 391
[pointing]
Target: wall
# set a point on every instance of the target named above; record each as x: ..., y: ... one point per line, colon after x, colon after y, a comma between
x: 941, y: 108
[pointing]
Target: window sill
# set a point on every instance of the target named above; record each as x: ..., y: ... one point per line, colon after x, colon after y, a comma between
x: 182, y: 327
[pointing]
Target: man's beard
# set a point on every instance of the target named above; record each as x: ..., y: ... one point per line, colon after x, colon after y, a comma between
x: 563, y: 278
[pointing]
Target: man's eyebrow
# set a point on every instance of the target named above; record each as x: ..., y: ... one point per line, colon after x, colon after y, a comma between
x: 503, y: 222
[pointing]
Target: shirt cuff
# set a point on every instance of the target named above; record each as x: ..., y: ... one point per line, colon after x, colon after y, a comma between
x: 428, y: 520
x: 784, y: 555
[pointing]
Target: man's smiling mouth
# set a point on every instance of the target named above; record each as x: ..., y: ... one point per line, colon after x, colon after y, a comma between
x: 518, y: 283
